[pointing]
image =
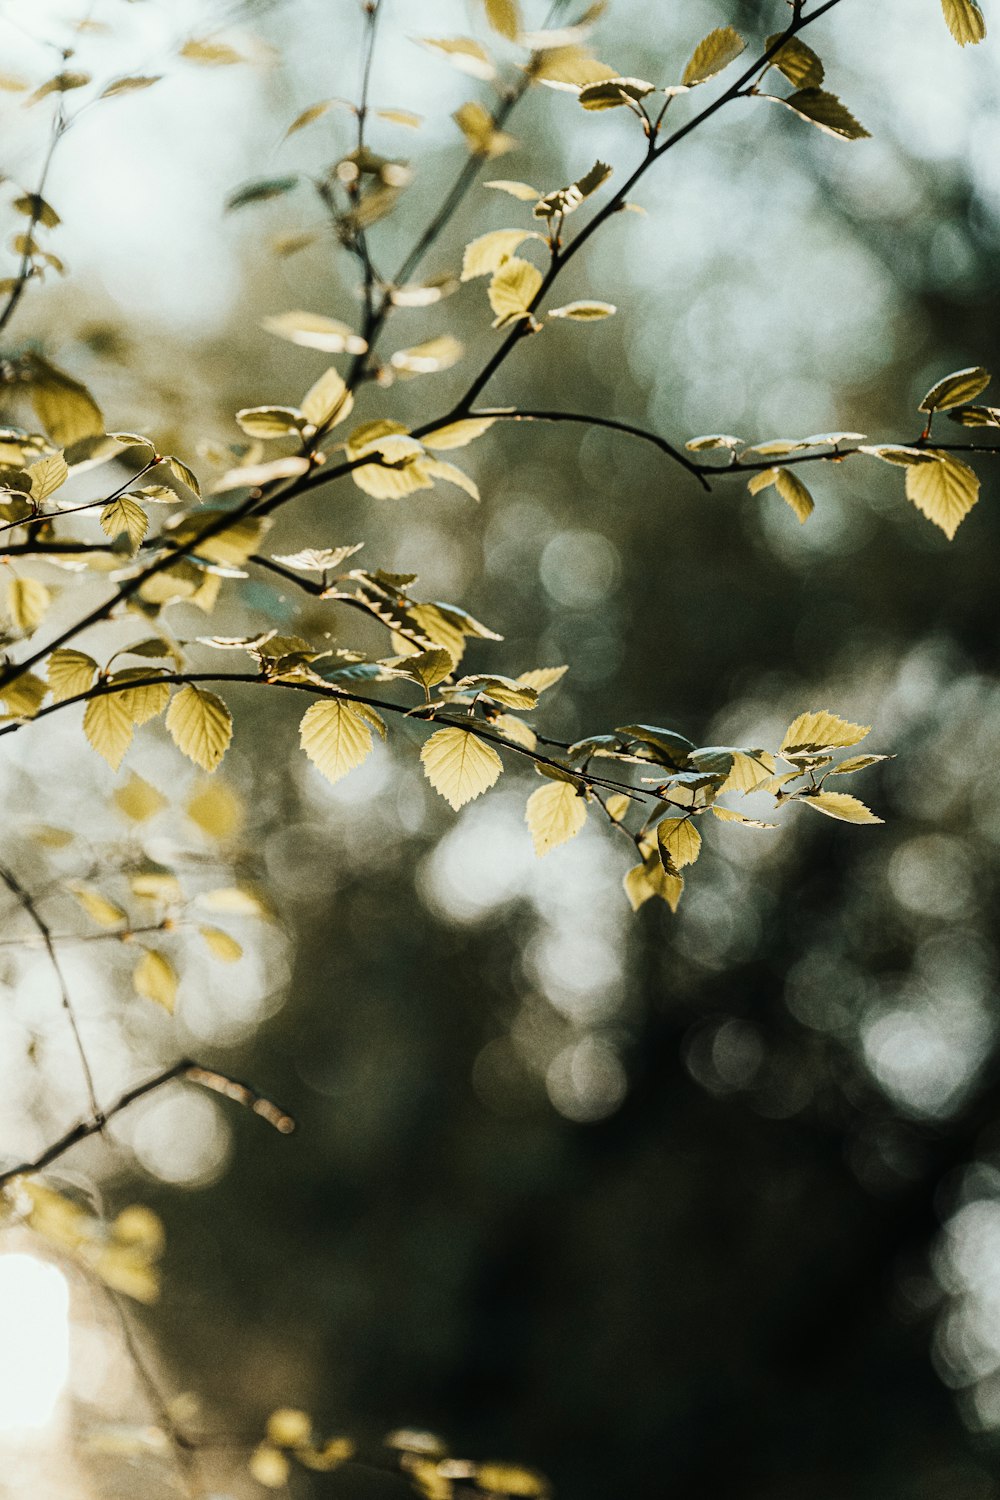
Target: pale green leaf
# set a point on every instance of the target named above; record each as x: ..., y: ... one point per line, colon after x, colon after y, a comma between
x: 794, y: 493
x: 956, y: 389
x: 821, y: 730
x: 554, y: 814
x: 335, y: 737
x: 512, y: 290
x: 125, y: 516
x: 69, y: 673
x: 840, y: 805
x: 715, y: 52
x: 489, y: 252
x: 108, y: 727
x: 944, y: 491
x: 459, y: 765
x: 200, y: 725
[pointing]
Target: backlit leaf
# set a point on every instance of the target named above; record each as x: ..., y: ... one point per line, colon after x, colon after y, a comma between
x: 521, y: 190
x: 155, y: 978
x: 945, y: 491
x: 261, y: 190
x: 458, y: 434
x: 69, y: 673
x: 129, y: 85
x: 108, y: 727
x: 613, y: 93
x: 100, y: 910
x: 512, y: 290
x: 824, y: 110
x: 584, y: 312
x: 554, y: 814
x: 439, y: 469
x: 965, y: 20
x: 28, y: 602
x: 956, y: 389
x: 425, y: 359
x: 47, y: 475
x: 138, y: 800
x: 508, y: 1479
x: 488, y: 253
x: 270, y: 421
x: 680, y: 840
x: 328, y: 400
x: 821, y: 730
x: 335, y: 737
x: 715, y: 52
x: 459, y: 765
x: 200, y: 725
x: 221, y: 945
x: 505, y: 17
x: 125, y: 516
x: 463, y: 53
x: 840, y: 805
x: 313, y: 331
x: 210, y: 54
x: 541, y: 678
x: 794, y: 493
x: 216, y: 809
x: 799, y: 63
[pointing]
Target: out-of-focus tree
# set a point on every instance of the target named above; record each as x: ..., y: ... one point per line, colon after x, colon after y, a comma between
x: 167, y: 886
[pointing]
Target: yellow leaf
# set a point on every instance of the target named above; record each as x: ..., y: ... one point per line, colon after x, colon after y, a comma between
x: 102, y: 911
x: 750, y: 768
x: 824, y: 110
x: 944, y: 491
x: 289, y: 1428
x: 481, y: 135
x: 712, y: 54
x: 128, y: 85
x: 127, y: 516
x: 799, y: 63
x: 328, y: 400
x: 820, y: 730
x: 840, y: 805
x: 680, y: 840
x: 794, y: 493
x: 335, y: 737
x: 221, y: 944
x: 210, y: 54
x: 464, y: 54
x: 584, y: 312
x: 554, y: 814
x: 490, y: 251
x: 617, y: 806
x: 541, y: 678
x: 507, y: 1479
x: 269, y: 1466
x: 426, y: 359
x: 956, y: 389
x: 614, y: 93
x: 69, y: 673
x: 516, y: 731
x: 144, y: 702
x: 570, y: 68
x: 520, y: 190
x: 138, y: 800
x: 459, y: 766
x: 216, y: 809
x: 28, y: 601
x: 108, y: 727
x: 47, y: 475
x: 512, y: 290
x: 729, y: 815
x: 965, y: 20
x: 313, y: 331
x: 458, y: 434
x: 505, y: 17
x: 645, y: 881
x: 269, y: 421
x: 155, y: 978
x: 229, y: 547
x: 437, y: 468
x: 200, y: 725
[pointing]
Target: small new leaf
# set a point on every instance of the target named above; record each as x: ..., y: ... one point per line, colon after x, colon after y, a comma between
x: 459, y: 765
x: 125, y: 516
x: 200, y: 725
x: 489, y: 252
x: 512, y: 290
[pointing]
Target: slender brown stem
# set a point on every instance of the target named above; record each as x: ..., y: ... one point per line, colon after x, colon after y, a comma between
x: 59, y: 127
x: 29, y: 905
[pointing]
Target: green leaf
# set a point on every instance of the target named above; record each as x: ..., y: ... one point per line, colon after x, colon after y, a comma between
x: 824, y: 110
x: 715, y: 52
x: 554, y: 814
x: 839, y: 805
x: 976, y: 416
x: 181, y: 472
x: 335, y: 736
x: 200, y: 725
x: 956, y: 389
x: 965, y: 21
x: 512, y: 290
x: 500, y: 689
x: 856, y: 763
x: 459, y: 766
x: 945, y: 491
x: 794, y: 493
x: 108, y: 727
x: 799, y: 63
x: 155, y: 978
x: 125, y: 516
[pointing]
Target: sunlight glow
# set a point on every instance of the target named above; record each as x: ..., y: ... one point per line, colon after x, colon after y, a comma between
x: 34, y: 1341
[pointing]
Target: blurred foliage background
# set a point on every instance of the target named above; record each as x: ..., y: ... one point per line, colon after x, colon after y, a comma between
x: 705, y: 1204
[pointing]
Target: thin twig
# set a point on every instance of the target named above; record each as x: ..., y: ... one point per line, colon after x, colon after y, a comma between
x: 27, y: 901
x: 219, y: 1083
x: 503, y: 414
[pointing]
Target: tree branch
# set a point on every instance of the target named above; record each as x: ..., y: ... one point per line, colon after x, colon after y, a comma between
x: 192, y: 1072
